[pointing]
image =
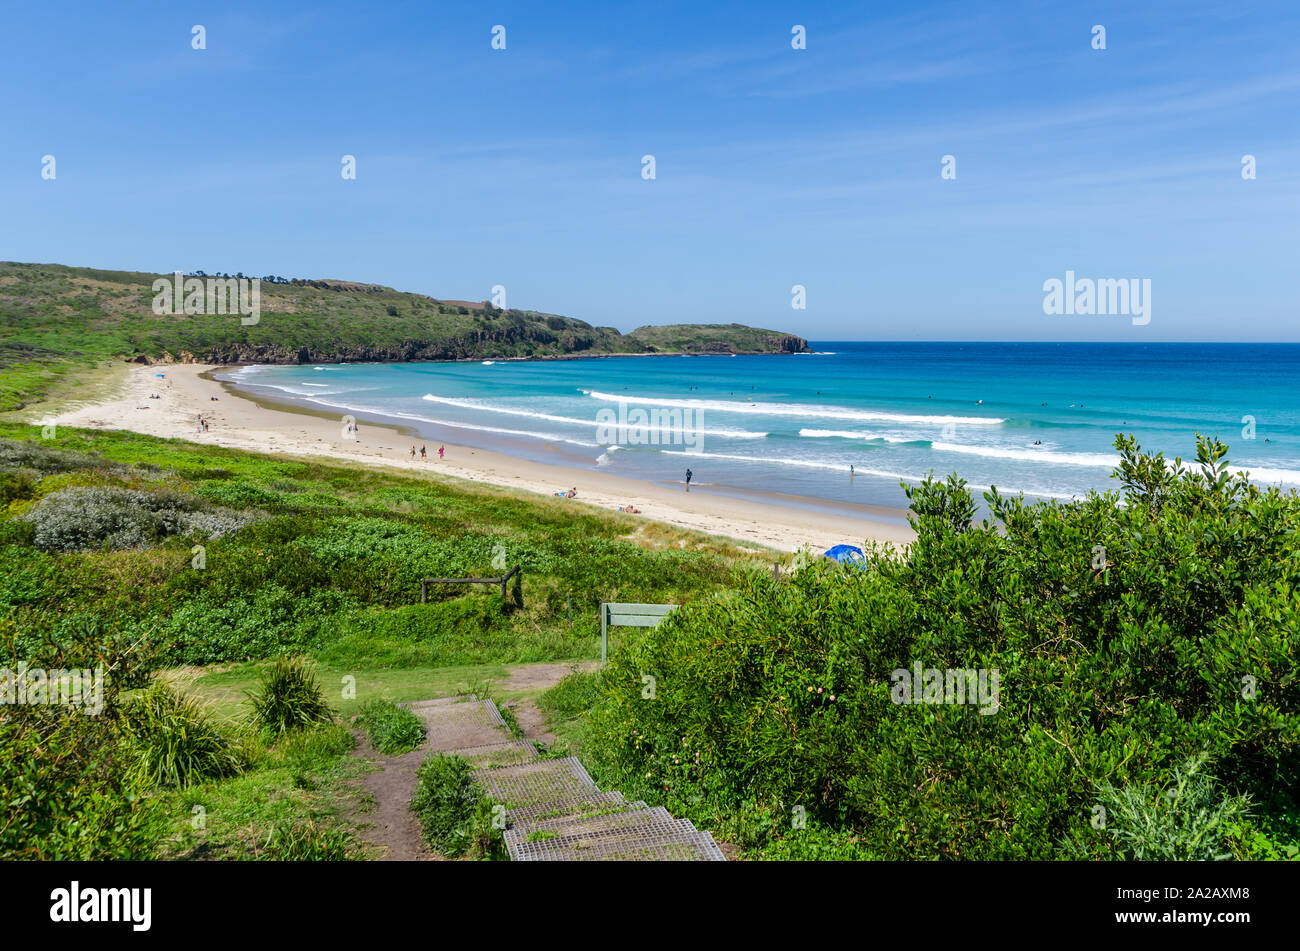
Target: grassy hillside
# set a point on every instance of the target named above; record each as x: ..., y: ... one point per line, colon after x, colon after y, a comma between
x: 98, y: 536
x: 308, y: 557
x: 57, y: 321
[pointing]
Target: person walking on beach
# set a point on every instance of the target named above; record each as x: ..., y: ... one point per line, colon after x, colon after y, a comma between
x: 689, y: 473
x: 423, y: 453
x: 441, y: 450
x: 412, y: 450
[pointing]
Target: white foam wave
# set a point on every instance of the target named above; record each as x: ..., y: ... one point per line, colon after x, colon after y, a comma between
x: 803, y: 410
x: 1033, y: 454
x: 854, y: 434
x: 840, y: 467
x: 1269, y: 476
x: 458, y: 424
x: 590, y: 423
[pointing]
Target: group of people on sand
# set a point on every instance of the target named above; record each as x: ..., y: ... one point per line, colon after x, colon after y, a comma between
x: 424, y: 452
x: 203, y: 424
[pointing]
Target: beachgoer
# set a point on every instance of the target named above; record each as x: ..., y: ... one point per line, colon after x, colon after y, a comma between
x: 412, y: 450
x: 689, y: 474
x: 572, y: 493
x: 423, y: 453
x: 441, y: 450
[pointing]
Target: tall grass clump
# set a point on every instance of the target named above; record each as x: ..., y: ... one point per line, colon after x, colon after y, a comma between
x: 305, y: 841
x: 454, y: 813
x: 288, y: 696
x: 392, y: 729
x: 173, y: 741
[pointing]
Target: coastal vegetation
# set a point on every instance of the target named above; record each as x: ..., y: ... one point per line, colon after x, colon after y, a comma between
x: 57, y: 323
x: 1145, y: 644
x: 254, y: 563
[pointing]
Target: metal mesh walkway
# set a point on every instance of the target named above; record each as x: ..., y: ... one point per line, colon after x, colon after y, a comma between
x: 554, y: 811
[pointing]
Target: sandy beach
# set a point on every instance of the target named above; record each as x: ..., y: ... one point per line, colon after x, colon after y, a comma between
x: 242, y: 423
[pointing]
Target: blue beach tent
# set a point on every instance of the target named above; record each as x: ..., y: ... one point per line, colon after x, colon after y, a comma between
x: 847, y: 555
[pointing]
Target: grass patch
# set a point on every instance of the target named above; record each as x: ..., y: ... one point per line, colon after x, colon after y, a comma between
x: 300, y: 780
x: 392, y: 729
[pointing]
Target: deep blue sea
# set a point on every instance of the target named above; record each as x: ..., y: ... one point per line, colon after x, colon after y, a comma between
x: 1029, y: 417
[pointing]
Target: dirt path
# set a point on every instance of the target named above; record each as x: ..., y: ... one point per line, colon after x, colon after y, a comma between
x: 534, y: 677
x: 390, y: 825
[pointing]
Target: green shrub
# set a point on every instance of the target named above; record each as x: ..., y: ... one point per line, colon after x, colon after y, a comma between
x: 392, y: 729
x: 85, y: 517
x: 1180, y: 641
x: 229, y: 625
x: 238, y: 495
x: 67, y: 791
x: 455, y: 816
x: 288, y: 696
x: 816, y: 844
x: 173, y: 742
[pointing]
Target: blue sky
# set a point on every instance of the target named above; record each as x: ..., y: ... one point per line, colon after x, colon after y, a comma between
x: 775, y: 167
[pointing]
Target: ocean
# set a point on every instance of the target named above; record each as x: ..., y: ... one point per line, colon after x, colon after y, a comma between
x: 1027, y: 417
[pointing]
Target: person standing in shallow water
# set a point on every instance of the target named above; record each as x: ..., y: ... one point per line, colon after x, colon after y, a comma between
x: 689, y: 473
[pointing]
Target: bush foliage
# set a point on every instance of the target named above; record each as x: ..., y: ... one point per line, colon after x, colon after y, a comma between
x: 454, y: 814
x: 82, y: 517
x: 1131, y: 631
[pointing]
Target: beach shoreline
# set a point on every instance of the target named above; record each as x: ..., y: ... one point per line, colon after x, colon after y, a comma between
x: 240, y: 420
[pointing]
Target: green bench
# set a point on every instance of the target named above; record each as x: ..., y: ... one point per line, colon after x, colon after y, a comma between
x: 614, y: 614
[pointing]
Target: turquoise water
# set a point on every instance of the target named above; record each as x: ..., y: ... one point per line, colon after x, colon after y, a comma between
x: 1035, y: 418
